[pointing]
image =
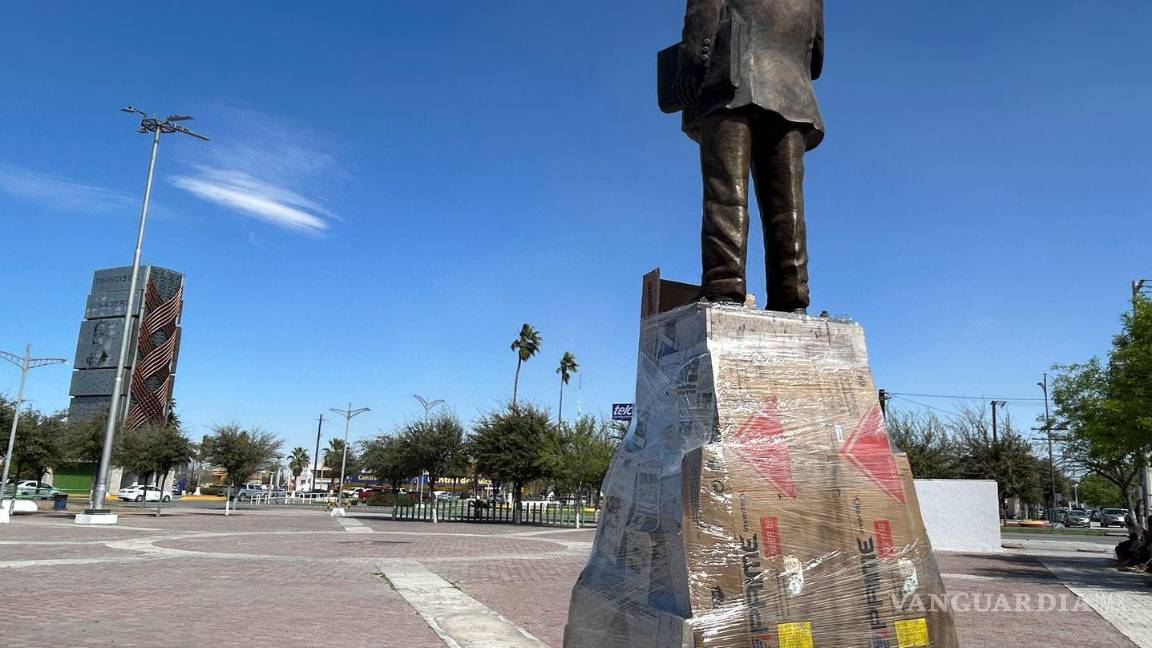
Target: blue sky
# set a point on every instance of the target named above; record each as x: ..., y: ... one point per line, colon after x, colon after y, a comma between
x: 393, y: 188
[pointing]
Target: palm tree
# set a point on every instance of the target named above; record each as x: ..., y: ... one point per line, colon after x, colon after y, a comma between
x: 298, y: 462
x: 525, y: 345
x: 567, y: 367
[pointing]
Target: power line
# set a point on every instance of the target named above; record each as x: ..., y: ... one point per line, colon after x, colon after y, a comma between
x: 1002, y: 398
x: 925, y: 405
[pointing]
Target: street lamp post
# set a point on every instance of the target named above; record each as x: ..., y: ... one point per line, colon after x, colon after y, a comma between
x: 316, y: 457
x: 26, y: 364
x: 97, y: 513
x: 348, y: 415
x: 428, y: 405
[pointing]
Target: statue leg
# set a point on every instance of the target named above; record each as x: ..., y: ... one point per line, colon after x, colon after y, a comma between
x: 725, y: 150
x: 778, y: 169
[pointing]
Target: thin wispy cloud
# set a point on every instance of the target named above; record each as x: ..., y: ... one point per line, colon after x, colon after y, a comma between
x: 261, y: 167
x: 269, y: 203
x: 59, y: 193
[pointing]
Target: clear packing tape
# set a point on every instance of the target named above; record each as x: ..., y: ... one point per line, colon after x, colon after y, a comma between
x: 756, y: 502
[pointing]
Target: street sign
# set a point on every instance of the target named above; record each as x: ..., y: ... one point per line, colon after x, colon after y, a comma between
x: 622, y: 412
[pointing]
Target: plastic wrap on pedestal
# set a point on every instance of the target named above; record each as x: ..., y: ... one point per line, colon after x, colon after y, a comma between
x: 756, y: 502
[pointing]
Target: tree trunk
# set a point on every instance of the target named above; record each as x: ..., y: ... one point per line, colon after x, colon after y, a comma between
x: 516, y: 382
x: 517, y: 490
x: 560, y: 410
x: 160, y: 502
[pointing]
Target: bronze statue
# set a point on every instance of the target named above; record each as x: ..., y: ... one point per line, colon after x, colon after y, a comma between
x: 743, y: 77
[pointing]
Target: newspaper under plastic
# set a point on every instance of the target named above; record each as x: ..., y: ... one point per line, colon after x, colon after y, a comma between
x: 756, y: 502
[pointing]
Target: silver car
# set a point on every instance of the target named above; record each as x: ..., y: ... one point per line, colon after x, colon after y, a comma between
x: 1113, y: 516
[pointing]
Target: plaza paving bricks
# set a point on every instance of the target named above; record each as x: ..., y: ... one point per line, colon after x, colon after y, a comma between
x: 301, y: 578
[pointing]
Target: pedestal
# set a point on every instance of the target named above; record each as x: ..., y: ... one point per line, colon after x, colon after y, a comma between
x: 96, y: 516
x: 756, y: 501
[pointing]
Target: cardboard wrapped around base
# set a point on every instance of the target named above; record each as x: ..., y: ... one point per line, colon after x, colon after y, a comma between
x: 756, y: 501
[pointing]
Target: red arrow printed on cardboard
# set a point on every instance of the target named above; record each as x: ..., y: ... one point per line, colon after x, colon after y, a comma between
x: 867, y: 448
x: 762, y: 442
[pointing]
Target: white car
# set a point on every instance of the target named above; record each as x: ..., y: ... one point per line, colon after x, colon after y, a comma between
x: 31, y: 488
x: 144, y: 493
x: 248, y: 491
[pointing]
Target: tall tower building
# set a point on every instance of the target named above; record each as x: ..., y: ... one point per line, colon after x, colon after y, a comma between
x: 151, y: 367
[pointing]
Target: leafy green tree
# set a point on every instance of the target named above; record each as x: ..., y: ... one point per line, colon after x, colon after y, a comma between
x: 577, y: 456
x: 925, y: 438
x: 435, y: 445
x: 85, y: 438
x: 526, y: 345
x: 170, y: 449
x: 334, y: 457
x: 964, y: 448
x: 385, y: 457
x: 1101, y: 492
x: 39, y: 444
x: 506, y: 446
x: 5, y: 424
x: 298, y: 462
x: 152, y: 451
x: 1107, y: 406
x: 567, y: 367
x: 240, y: 452
x: 1009, y: 459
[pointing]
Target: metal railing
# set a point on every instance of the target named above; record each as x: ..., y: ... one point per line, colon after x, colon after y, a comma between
x: 287, y: 499
x: 538, y: 513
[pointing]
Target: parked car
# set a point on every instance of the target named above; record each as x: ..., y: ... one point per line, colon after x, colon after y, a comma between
x: 138, y: 493
x: 248, y: 491
x: 32, y: 489
x: 1113, y: 516
x: 366, y: 493
x: 1077, y: 519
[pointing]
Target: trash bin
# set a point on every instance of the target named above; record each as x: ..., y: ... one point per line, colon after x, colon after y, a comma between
x: 60, y: 502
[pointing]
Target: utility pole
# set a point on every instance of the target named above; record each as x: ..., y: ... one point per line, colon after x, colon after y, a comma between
x: 316, y: 457
x: 97, y: 513
x: 348, y: 415
x: 884, y: 398
x: 1048, y: 432
x: 995, y: 404
x: 1138, y: 286
x: 26, y: 364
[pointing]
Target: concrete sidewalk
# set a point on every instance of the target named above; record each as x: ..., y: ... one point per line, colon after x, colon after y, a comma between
x: 1049, y: 545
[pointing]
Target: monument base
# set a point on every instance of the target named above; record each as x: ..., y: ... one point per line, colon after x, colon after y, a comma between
x: 96, y: 516
x: 756, y: 501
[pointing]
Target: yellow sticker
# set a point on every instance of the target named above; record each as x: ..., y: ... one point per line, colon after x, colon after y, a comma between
x: 795, y: 635
x: 912, y: 633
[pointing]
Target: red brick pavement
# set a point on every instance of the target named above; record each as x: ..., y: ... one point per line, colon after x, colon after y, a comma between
x: 295, y: 578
